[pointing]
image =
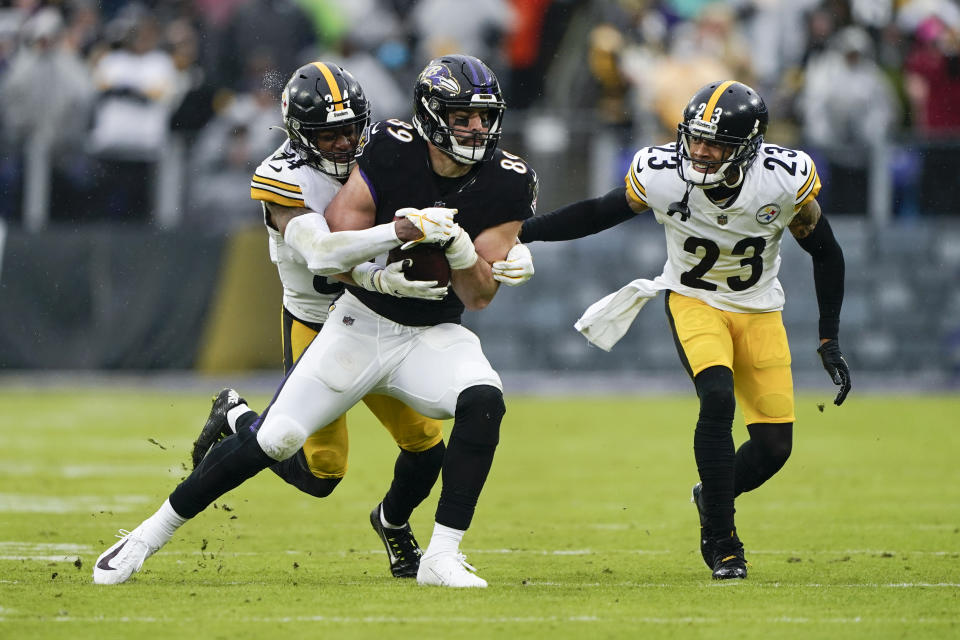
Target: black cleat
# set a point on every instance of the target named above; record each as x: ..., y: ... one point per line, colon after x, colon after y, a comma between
x: 216, y: 427
x: 728, y: 560
x: 402, y: 547
x: 706, y: 545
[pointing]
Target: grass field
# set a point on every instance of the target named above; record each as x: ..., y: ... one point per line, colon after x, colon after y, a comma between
x: 585, y: 529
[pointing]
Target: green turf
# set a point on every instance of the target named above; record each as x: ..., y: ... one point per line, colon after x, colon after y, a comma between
x: 584, y: 530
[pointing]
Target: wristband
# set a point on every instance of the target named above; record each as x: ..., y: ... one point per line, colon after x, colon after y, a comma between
x: 365, y: 275
x: 461, y: 254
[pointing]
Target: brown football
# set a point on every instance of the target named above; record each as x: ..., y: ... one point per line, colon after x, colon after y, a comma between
x: 429, y: 263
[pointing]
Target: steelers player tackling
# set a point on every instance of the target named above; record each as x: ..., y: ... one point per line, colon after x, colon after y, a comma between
x: 724, y: 199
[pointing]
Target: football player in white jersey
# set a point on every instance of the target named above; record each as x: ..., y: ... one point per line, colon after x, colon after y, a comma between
x: 724, y: 199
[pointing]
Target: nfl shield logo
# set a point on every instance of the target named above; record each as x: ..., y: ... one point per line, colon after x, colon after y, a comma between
x: 722, y: 218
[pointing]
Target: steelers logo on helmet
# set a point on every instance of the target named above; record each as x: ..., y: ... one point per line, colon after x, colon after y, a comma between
x: 322, y: 104
x: 452, y: 83
x: 727, y: 114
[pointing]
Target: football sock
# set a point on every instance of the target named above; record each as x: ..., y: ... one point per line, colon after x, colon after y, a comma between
x: 469, y: 455
x: 228, y: 465
x: 713, y: 446
x: 241, y: 416
x: 444, y: 540
x: 414, y: 475
x: 384, y: 523
x: 765, y: 453
x: 160, y: 527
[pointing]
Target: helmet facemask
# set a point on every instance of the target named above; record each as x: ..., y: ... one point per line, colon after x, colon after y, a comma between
x: 321, y: 104
x: 452, y: 83
x: 445, y: 136
x: 306, y: 140
x: 738, y: 152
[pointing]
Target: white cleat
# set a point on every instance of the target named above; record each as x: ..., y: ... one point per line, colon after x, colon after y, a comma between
x: 449, y: 569
x: 123, y: 559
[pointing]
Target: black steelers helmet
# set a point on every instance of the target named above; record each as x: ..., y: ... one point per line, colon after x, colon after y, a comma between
x: 729, y: 113
x: 458, y: 82
x: 323, y: 96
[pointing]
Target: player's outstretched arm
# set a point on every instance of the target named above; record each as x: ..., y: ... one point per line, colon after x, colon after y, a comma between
x: 331, y: 251
x: 327, y: 253
x: 815, y: 236
x: 470, y: 272
x: 581, y: 219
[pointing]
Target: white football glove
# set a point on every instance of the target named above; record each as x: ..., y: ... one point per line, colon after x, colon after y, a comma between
x: 391, y: 281
x: 516, y: 268
x: 435, y: 223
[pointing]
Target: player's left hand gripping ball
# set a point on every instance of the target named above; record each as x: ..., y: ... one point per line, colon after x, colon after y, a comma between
x: 516, y: 268
x: 836, y: 366
x: 393, y: 281
x: 435, y: 223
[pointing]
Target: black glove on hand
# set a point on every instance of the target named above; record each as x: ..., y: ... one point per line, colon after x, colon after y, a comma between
x: 837, y: 367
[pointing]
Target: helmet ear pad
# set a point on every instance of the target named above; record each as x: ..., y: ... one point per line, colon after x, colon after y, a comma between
x: 319, y: 97
x: 455, y: 82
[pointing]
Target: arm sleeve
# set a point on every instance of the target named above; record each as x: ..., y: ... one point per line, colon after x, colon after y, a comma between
x: 579, y: 219
x: 328, y: 253
x: 828, y: 275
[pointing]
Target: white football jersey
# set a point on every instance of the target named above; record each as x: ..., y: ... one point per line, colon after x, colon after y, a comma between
x: 726, y: 256
x: 285, y: 179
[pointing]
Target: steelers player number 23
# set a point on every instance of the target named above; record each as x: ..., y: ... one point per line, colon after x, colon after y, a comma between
x: 750, y: 248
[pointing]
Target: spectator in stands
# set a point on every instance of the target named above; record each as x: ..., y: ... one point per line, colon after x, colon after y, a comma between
x: 702, y: 51
x: 137, y: 83
x: 45, y: 98
x: 932, y: 80
x: 450, y: 26
x: 226, y: 154
x: 849, y: 110
x: 278, y: 29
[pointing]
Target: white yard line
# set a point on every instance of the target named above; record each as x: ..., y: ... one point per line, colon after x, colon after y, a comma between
x: 446, y: 619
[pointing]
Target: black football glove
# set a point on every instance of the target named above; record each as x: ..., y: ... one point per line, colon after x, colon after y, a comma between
x: 837, y: 367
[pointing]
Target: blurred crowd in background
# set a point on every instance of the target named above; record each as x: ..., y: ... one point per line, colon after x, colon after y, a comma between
x: 157, y: 111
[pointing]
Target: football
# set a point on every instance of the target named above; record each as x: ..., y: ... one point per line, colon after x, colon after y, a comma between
x: 429, y: 263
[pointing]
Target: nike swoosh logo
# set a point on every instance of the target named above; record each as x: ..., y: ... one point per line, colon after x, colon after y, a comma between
x: 277, y: 169
x: 105, y: 560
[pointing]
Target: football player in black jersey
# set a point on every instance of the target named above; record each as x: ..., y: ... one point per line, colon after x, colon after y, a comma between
x: 415, y: 351
x: 448, y: 156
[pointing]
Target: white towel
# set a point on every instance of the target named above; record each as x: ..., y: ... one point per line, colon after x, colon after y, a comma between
x: 606, y: 320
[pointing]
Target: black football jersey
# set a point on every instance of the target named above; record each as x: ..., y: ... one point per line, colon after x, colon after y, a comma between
x: 394, y: 161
